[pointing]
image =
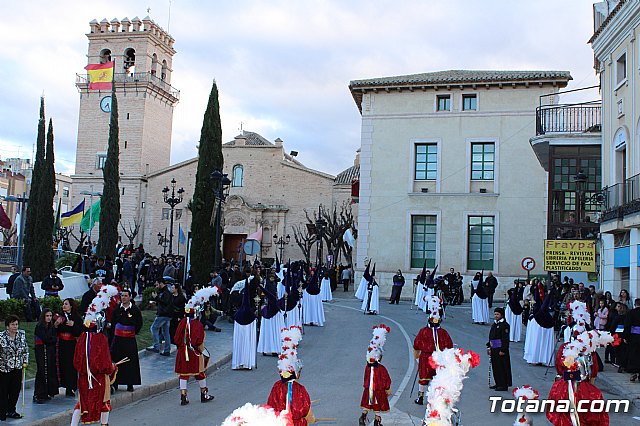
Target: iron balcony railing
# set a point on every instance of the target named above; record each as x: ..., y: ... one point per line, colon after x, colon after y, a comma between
x: 138, y: 77
x: 621, y: 199
x: 569, y: 118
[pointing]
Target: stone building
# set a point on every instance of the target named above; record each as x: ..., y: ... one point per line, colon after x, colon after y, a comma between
x: 616, y: 58
x: 143, y: 54
x: 269, y: 189
x: 447, y: 174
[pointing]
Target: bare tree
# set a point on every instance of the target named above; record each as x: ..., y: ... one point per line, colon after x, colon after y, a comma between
x: 337, y: 222
x: 304, y: 240
x: 80, y: 239
x: 9, y: 236
x: 132, y: 231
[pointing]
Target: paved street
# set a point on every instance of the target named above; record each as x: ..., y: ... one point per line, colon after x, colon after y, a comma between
x: 333, y: 358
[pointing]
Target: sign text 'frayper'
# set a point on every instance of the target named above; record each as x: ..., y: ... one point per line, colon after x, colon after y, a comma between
x: 570, y: 255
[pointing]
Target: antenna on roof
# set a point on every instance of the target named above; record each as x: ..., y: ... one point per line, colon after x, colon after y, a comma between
x: 241, y: 130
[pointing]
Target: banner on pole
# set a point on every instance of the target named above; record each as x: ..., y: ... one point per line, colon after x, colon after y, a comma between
x: 570, y: 255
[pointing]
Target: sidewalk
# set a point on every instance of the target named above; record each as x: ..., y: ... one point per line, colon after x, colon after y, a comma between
x: 157, y: 376
x: 618, y: 384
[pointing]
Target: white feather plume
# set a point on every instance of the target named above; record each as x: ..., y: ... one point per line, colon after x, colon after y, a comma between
x: 256, y: 415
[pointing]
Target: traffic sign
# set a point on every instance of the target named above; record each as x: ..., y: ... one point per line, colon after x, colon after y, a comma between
x: 528, y: 263
x: 251, y: 247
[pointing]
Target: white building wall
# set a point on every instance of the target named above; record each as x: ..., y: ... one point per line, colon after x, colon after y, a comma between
x: 393, y: 122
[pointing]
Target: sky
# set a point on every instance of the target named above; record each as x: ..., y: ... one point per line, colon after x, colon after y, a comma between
x: 282, y: 67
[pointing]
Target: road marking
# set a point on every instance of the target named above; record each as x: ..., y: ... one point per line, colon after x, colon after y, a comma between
x: 411, y: 362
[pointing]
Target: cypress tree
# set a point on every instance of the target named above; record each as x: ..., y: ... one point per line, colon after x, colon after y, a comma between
x: 31, y: 254
x: 110, y: 201
x: 46, y: 193
x: 209, y: 159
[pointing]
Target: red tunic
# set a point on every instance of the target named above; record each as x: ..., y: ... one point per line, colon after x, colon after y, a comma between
x: 190, y: 342
x: 381, y: 384
x: 97, y: 400
x: 300, y: 401
x: 425, y: 343
x: 586, y: 391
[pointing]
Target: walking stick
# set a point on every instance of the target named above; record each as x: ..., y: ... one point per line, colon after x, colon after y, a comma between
x: 489, y: 378
x: 24, y: 374
x: 415, y: 378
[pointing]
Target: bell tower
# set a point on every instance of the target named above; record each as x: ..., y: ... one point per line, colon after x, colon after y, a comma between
x: 143, y: 54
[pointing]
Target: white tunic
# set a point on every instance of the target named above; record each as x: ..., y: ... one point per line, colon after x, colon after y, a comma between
x: 479, y: 307
x: 269, y: 340
x: 244, y: 346
x: 312, y: 309
x: 361, y: 292
x: 325, y: 290
x: 515, y: 324
x: 538, y: 344
x: 294, y: 317
x: 374, y: 305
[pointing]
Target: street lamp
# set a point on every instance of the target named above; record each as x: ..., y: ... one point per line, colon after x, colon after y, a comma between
x: 173, y: 201
x: 319, y: 231
x: 580, y: 180
x: 91, y: 194
x: 23, y: 210
x: 281, y: 242
x: 162, y: 241
x: 221, y: 184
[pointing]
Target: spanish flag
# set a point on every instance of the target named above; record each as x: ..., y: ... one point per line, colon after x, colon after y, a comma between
x: 72, y: 217
x: 100, y: 76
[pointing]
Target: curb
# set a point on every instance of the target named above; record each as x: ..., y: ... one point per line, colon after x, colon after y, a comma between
x: 120, y: 399
x: 619, y: 390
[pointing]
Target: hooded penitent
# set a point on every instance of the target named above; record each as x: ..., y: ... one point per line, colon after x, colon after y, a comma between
x: 514, y: 304
x: 244, y: 315
x: 541, y: 312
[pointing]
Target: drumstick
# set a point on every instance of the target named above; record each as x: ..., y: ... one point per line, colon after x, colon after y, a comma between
x: 325, y: 419
x: 315, y: 400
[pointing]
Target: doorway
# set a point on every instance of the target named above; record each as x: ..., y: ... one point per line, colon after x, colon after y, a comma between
x: 232, y: 246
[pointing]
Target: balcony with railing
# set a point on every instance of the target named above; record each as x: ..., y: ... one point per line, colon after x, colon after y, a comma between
x: 135, y: 80
x: 569, y: 118
x: 621, y: 199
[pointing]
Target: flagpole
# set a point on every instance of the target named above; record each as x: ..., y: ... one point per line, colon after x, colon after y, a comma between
x: 179, y: 232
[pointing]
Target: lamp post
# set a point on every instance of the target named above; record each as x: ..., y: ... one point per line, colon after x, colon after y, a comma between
x: 281, y: 242
x: 173, y: 201
x: 91, y: 194
x: 221, y: 184
x: 319, y: 231
x: 162, y: 241
x: 23, y: 206
x: 580, y: 180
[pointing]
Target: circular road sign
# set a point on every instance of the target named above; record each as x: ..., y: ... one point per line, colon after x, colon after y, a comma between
x: 528, y: 263
x: 251, y: 247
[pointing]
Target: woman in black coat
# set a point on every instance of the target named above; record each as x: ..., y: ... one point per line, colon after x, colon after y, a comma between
x: 69, y: 326
x: 46, y: 384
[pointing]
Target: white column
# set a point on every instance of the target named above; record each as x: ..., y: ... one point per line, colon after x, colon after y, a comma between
x: 634, y: 240
x: 608, y: 271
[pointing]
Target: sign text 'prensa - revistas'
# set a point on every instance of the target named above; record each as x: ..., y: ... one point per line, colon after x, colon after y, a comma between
x: 570, y: 255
